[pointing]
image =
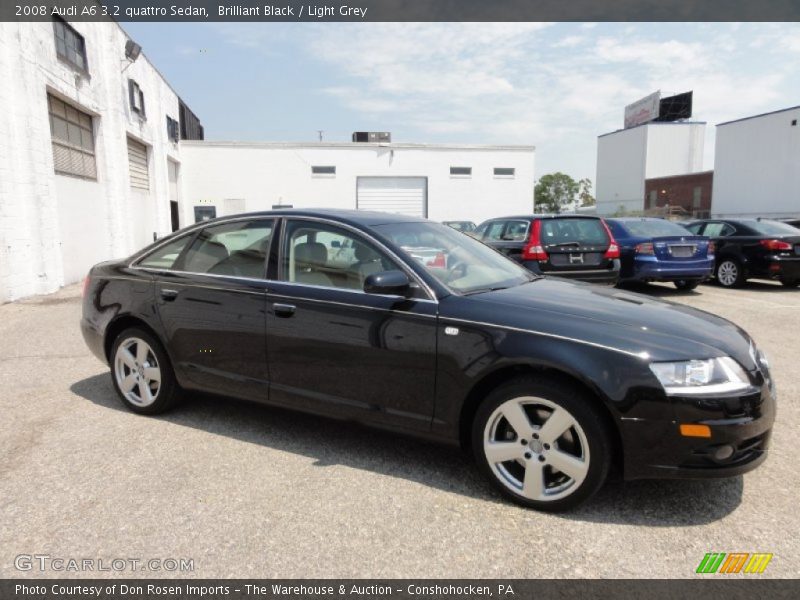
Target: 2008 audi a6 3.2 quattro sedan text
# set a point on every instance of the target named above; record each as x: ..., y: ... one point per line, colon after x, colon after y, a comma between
x: 406, y: 324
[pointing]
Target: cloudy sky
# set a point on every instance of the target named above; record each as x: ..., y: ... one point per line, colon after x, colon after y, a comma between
x: 556, y: 86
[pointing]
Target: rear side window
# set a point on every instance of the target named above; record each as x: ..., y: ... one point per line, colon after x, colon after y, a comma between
x: 494, y: 232
x: 695, y: 227
x: 235, y: 249
x: 516, y: 231
x: 718, y: 230
x: 562, y: 231
x: 165, y: 256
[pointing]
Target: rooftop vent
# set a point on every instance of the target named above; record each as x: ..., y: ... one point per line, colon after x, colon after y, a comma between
x: 372, y: 136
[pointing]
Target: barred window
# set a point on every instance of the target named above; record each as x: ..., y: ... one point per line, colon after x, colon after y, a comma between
x: 136, y: 97
x: 70, y: 45
x: 173, y: 129
x: 72, y: 137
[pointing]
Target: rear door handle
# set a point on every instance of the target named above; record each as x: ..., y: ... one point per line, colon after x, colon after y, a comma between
x: 284, y: 310
x: 169, y: 295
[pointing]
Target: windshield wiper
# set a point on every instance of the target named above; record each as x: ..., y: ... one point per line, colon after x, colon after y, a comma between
x: 484, y: 290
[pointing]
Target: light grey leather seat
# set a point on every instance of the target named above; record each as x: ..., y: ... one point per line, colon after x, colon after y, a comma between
x: 309, y: 258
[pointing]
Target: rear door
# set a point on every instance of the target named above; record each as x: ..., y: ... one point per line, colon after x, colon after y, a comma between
x: 574, y: 244
x: 212, y: 303
x: 514, y: 238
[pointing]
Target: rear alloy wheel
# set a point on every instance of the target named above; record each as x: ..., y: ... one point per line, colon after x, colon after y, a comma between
x: 141, y: 373
x: 686, y: 284
x: 790, y: 283
x: 542, y: 444
x: 729, y: 273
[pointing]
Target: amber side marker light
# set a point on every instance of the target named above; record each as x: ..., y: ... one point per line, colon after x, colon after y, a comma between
x: 703, y: 431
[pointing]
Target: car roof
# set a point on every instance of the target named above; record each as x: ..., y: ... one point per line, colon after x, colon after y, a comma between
x: 544, y: 216
x: 631, y: 219
x: 351, y: 217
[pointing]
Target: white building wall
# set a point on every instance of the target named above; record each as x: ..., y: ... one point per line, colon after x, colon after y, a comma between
x: 269, y: 174
x: 757, y: 167
x: 54, y: 227
x: 627, y: 157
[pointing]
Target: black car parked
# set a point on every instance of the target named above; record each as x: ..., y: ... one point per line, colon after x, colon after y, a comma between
x: 752, y: 249
x: 574, y: 246
x: 549, y: 382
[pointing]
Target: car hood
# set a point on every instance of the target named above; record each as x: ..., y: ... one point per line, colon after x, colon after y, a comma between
x: 609, y: 317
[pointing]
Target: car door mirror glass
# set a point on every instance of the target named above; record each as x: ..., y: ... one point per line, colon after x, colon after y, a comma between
x: 390, y: 283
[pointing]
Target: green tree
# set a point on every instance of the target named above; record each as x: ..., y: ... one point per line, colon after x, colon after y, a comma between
x: 553, y: 192
x: 585, y: 192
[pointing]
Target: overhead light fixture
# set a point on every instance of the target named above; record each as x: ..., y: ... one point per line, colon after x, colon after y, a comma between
x: 132, y: 50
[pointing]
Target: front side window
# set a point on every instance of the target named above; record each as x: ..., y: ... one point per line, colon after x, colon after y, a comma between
x: 165, y: 256
x: 70, y: 45
x: 236, y: 249
x: 460, y: 262
x: 72, y: 137
x: 328, y: 256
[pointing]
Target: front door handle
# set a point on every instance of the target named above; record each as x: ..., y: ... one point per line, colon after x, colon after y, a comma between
x: 284, y: 310
x: 169, y: 295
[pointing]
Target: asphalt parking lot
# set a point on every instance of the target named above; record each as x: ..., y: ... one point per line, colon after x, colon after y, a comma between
x: 252, y: 491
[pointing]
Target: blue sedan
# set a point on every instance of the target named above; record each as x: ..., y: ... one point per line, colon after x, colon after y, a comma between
x: 658, y: 250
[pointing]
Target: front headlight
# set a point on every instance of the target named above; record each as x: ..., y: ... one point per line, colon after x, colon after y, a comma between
x: 714, y: 375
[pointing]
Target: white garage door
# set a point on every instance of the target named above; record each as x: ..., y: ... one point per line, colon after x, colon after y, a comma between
x: 403, y: 195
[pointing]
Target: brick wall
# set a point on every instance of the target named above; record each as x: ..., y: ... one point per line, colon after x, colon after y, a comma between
x: 679, y: 190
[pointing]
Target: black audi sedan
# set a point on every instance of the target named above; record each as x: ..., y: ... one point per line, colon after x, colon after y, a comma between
x: 409, y: 325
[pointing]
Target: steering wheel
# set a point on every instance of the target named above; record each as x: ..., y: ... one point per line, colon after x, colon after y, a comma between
x: 457, y: 271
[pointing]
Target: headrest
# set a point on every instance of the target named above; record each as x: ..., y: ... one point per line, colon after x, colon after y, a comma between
x: 365, y: 253
x: 311, y: 254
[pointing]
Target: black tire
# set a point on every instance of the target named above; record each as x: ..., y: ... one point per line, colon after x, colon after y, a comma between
x: 580, y: 406
x: 738, y: 278
x: 790, y: 283
x: 686, y: 285
x: 167, y: 392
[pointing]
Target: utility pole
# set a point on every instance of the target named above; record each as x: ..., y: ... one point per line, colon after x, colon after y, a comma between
x: 320, y: 132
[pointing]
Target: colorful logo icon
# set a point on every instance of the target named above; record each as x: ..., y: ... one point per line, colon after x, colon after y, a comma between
x: 734, y: 562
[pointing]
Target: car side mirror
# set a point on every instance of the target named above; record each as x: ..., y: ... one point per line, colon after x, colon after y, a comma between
x: 388, y: 283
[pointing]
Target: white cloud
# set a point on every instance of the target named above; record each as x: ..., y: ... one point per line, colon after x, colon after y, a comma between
x: 555, y: 86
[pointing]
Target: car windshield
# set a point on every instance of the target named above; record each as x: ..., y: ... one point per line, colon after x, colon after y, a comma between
x: 572, y: 230
x: 462, y: 263
x: 772, y: 227
x: 654, y: 228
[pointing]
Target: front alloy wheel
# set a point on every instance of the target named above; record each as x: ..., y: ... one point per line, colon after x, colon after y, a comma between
x: 542, y: 443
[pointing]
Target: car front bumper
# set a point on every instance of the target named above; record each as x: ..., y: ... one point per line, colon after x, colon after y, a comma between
x: 741, y: 426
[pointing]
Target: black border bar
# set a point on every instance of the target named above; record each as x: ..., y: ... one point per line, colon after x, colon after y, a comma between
x: 403, y: 10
